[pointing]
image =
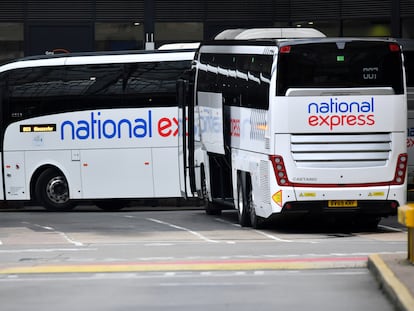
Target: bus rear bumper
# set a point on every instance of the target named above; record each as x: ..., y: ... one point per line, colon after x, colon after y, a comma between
x: 372, y: 208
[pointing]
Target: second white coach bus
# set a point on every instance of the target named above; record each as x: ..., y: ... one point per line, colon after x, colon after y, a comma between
x: 93, y: 127
x: 301, y: 126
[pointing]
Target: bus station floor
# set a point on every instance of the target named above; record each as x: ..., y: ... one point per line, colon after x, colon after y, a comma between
x: 395, y: 275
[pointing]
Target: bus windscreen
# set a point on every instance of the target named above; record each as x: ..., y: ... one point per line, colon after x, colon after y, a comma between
x: 343, y: 64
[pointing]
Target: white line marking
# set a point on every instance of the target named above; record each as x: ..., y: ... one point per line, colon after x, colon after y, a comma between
x: 272, y: 237
x: 227, y: 222
x: 200, y: 236
x: 391, y: 228
x: 64, y: 235
x: 45, y: 250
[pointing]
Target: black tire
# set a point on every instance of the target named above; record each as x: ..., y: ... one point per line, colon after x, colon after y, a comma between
x: 368, y: 223
x: 209, y: 207
x: 257, y: 222
x: 243, y: 203
x: 110, y: 205
x: 52, y: 191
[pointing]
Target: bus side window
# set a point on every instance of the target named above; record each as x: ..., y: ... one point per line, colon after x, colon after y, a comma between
x: 93, y: 86
x: 34, y: 92
x: 258, y: 71
x: 153, y: 84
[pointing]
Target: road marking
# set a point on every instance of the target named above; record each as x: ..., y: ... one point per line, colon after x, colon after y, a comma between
x: 269, y: 236
x: 44, y: 250
x: 272, y: 237
x: 214, y: 265
x: 389, y: 279
x: 199, y: 235
x: 62, y: 234
x: 392, y: 228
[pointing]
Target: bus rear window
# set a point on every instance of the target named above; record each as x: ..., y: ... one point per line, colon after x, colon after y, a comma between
x: 340, y: 65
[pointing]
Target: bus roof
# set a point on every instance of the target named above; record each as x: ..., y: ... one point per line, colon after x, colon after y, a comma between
x: 99, y: 58
x: 283, y: 42
x: 269, y: 33
x: 179, y: 46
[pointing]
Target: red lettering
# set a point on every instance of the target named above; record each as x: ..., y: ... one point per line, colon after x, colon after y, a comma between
x: 352, y: 120
x: 164, y: 127
x: 313, y: 120
x: 324, y: 120
x: 176, y: 123
x: 335, y: 121
x: 235, y: 127
x: 361, y: 119
x: 371, y: 119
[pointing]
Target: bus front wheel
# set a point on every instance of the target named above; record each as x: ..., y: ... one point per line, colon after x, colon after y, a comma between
x: 52, y: 191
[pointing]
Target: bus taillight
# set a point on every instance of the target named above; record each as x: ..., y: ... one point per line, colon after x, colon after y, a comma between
x: 285, y: 49
x: 280, y: 170
x: 394, y: 47
x: 400, y: 170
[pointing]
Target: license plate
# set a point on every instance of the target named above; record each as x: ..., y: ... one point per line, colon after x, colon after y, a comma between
x: 343, y: 203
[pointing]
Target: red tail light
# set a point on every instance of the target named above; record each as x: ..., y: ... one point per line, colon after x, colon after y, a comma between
x: 400, y: 170
x: 280, y: 170
x: 285, y: 49
x: 394, y: 47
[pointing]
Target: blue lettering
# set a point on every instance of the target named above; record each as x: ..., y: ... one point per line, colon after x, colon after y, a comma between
x: 82, y: 132
x: 62, y: 129
x: 315, y: 105
x: 335, y: 106
x: 107, y: 130
x: 128, y: 127
x: 96, y: 127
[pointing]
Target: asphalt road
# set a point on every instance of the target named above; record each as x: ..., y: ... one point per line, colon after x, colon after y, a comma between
x: 181, y: 259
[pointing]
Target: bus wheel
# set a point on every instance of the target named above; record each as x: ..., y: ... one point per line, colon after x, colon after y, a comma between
x: 243, y: 202
x: 110, y: 205
x: 368, y: 223
x: 52, y: 191
x: 209, y: 207
x: 257, y: 222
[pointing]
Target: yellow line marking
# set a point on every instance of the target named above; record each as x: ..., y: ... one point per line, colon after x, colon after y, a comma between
x: 182, y: 266
x: 402, y: 293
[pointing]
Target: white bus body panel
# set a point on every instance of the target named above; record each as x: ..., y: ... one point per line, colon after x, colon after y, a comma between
x: 410, y: 147
x: 211, y: 121
x: 2, y: 194
x: 253, y: 138
x: 101, y: 153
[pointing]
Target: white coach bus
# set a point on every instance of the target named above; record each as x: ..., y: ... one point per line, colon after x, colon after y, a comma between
x: 92, y: 126
x: 301, y: 126
x: 408, y: 51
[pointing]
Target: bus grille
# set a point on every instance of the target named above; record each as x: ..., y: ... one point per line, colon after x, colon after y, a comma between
x: 341, y: 150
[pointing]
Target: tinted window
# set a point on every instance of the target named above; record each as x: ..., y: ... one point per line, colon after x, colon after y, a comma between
x: 243, y: 79
x: 332, y: 65
x: 30, y: 92
x: 153, y: 84
x: 409, y: 67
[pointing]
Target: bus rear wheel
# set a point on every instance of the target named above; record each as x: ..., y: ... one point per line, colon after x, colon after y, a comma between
x: 243, y: 201
x: 52, y: 191
x: 209, y: 207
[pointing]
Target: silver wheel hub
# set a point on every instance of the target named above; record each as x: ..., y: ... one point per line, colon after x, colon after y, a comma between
x: 57, y: 190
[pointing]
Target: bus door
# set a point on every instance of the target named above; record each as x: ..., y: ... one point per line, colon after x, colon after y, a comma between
x: 186, y: 142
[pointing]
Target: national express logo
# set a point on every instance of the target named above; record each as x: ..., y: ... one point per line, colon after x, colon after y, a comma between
x: 336, y: 113
x: 97, y: 126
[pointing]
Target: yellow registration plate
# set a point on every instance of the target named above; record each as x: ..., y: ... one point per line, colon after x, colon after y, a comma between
x: 343, y: 203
